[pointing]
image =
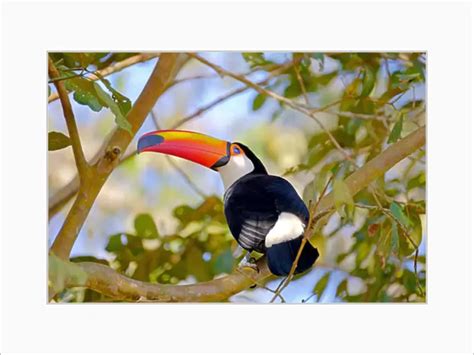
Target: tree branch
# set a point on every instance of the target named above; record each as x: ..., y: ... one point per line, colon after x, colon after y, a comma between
x: 81, y: 162
x: 163, y: 73
x: 290, y: 103
x: 142, y: 57
x: 109, y: 282
x: 57, y: 201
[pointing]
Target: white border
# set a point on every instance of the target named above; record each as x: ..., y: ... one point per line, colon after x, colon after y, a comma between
x: 30, y: 30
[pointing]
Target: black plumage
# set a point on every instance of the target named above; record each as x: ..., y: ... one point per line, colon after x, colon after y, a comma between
x: 252, y: 207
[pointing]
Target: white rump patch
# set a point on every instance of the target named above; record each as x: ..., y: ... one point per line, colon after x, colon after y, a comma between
x: 287, y: 227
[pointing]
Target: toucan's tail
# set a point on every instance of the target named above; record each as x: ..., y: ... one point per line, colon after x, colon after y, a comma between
x: 280, y: 257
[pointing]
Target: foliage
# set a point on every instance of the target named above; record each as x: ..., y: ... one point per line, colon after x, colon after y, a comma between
x: 373, y: 239
x: 74, y: 68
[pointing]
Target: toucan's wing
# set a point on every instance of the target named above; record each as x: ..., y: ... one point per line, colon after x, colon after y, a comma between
x: 266, y: 214
x: 254, y: 204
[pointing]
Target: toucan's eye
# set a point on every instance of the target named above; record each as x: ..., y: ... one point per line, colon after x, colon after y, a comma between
x: 236, y: 150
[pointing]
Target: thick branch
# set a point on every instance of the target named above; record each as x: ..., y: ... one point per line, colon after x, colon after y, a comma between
x: 164, y: 72
x: 81, y: 163
x: 143, y: 57
x: 375, y: 168
x: 109, y: 282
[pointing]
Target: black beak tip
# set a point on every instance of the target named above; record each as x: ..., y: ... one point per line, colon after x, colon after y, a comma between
x: 149, y: 141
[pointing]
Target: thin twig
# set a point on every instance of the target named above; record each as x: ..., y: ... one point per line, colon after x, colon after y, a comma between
x: 229, y: 95
x: 290, y: 103
x: 307, y: 234
x: 300, y: 80
x: 260, y: 284
x: 109, y: 282
x: 143, y: 57
x: 405, y: 233
x: 81, y: 162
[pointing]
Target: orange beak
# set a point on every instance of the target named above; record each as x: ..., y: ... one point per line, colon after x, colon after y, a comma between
x: 196, y: 147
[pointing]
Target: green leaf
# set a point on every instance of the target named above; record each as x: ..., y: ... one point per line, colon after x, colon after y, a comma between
x: 120, y: 119
x: 368, y: 82
x: 258, y: 101
x: 396, y: 131
x: 342, y: 197
x: 415, y: 233
x: 320, y: 58
x: 255, y: 59
x: 398, y: 213
x: 394, y: 241
x: 310, y: 192
x: 342, y: 288
x: 292, y: 90
x: 122, y: 101
x: 417, y: 181
x: 409, y: 281
x: 84, y: 93
x: 321, y: 285
x: 145, y: 226
x: 58, y: 140
x: 115, y: 243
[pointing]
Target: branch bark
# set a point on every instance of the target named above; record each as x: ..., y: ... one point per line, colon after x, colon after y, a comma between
x: 109, y: 282
x: 163, y: 73
x: 81, y: 162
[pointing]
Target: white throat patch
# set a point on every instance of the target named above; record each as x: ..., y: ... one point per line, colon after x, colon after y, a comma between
x: 238, y: 166
x: 287, y: 227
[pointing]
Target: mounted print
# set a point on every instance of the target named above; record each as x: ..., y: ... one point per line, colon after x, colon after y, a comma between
x: 262, y: 177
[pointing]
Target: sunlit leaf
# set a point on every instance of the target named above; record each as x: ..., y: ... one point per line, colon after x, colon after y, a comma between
x: 368, y: 82
x: 145, y: 226
x: 58, y: 140
x: 321, y: 285
x: 292, y: 90
x: 120, y: 119
x: 255, y: 59
x: 122, y: 101
x: 84, y: 93
x: 396, y: 131
x: 417, y: 181
x: 409, y: 281
x: 342, y: 288
x: 115, y: 243
x: 409, y: 244
x: 342, y: 197
x: 398, y: 213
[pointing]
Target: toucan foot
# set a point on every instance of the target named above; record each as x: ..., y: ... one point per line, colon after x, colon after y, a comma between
x: 250, y: 262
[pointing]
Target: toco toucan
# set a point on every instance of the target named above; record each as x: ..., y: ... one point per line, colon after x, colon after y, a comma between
x: 264, y: 212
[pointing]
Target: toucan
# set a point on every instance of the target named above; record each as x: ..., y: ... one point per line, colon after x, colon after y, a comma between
x: 264, y: 212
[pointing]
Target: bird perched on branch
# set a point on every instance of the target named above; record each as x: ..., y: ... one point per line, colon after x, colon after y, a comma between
x: 264, y: 212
